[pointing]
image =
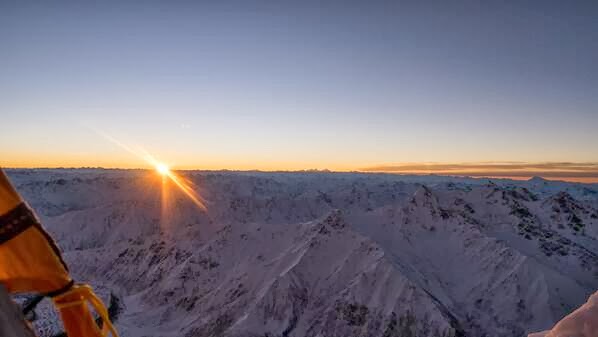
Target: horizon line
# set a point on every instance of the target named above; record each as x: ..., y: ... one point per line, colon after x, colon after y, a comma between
x: 515, y: 175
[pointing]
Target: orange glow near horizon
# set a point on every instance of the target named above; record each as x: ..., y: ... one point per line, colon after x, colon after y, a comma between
x: 516, y: 175
x: 564, y: 171
x: 164, y: 170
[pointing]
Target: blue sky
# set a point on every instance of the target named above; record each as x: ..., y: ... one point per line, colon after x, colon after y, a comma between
x: 294, y: 85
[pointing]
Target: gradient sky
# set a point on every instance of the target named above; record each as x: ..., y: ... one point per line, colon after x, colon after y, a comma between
x: 298, y: 84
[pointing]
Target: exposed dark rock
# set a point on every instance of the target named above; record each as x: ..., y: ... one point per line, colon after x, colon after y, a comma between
x: 354, y: 313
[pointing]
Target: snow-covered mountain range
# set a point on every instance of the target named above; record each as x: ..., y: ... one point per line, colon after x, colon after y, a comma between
x: 324, y: 254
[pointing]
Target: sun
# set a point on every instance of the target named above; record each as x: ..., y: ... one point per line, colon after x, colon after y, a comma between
x: 163, y: 169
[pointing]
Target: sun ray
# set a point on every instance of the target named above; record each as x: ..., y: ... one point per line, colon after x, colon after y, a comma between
x: 184, y: 186
x: 163, y: 170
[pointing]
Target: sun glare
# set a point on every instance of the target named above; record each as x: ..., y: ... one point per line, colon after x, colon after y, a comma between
x: 162, y: 169
x: 186, y: 186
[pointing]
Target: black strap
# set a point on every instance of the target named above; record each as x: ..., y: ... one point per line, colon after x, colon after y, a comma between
x: 60, y: 291
x: 32, y: 303
x: 16, y: 221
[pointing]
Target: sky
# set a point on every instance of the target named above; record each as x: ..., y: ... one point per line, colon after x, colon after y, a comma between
x: 394, y: 86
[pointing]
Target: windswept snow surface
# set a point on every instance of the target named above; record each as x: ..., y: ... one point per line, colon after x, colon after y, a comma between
x: 324, y: 254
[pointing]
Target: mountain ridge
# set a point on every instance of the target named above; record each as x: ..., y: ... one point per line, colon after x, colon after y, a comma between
x: 454, y: 258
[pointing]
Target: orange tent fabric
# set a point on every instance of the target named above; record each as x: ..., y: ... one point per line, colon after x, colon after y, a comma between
x: 30, y: 262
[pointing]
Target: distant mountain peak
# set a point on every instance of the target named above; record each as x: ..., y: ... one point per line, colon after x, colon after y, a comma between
x: 537, y: 179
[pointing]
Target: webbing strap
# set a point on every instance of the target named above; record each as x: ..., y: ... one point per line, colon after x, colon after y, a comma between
x: 31, y: 304
x: 85, y: 296
x: 15, y: 222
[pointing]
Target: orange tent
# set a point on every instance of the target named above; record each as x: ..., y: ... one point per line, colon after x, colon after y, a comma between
x: 30, y: 262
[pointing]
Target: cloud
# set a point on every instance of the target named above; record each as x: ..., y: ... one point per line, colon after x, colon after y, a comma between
x: 555, y: 170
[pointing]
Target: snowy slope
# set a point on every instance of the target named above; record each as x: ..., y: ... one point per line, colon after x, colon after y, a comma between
x: 325, y: 254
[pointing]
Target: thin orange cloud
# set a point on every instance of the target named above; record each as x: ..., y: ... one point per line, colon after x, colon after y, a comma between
x: 587, y: 172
